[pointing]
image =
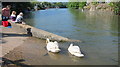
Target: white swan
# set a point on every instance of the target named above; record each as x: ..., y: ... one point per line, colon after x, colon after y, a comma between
x: 75, y: 50
x: 52, y: 46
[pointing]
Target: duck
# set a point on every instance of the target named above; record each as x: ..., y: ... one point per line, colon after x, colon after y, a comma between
x: 75, y: 50
x: 52, y: 46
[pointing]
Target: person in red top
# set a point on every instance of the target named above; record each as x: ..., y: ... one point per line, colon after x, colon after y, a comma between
x: 6, y: 13
x: 5, y: 16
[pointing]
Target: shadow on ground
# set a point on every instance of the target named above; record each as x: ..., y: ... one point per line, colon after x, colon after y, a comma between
x: 14, y: 35
x: 13, y: 63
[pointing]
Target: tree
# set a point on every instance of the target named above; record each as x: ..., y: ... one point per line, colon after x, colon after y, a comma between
x: 76, y: 5
x: 116, y: 6
x: 59, y: 4
x: 82, y: 4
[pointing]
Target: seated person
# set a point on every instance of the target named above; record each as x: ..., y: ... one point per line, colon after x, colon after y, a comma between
x: 19, y: 18
x: 13, y: 16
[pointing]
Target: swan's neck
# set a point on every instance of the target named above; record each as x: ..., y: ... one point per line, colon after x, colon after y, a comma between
x: 71, y: 45
x: 47, y: 40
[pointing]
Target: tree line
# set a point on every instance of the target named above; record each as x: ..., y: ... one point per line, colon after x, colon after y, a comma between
x: 28, y: 6
x: 22, y: 6
x: 76, y: 5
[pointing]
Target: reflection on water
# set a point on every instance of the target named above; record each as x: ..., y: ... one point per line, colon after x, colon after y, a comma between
x: 54, y: 56
x: 98, y: 30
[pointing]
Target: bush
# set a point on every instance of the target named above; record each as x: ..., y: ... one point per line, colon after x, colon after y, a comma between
x: 82, y: 4
x: 94, y: 3
x: 76, y: 5
x: 111, y: 4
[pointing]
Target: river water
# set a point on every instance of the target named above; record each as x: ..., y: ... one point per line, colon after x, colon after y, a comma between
x: 97, y: 30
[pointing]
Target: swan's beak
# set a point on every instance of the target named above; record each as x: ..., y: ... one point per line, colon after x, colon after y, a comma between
x: 81, y: 55
x: 58, y: 50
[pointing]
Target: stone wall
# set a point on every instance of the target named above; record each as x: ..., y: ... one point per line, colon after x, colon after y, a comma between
x: 32, y: 31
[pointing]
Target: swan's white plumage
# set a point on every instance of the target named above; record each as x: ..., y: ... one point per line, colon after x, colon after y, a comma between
x: 75, y: 50
x: 52, y: 46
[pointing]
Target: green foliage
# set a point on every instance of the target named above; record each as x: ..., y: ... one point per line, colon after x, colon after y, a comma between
x: 82, y: 4
x: 116, y: 6
x: 50, y: 5
x: 73, y: 5
x: 23, y: 6
x: 94, y: 3
x: 76, y: 5
x: 46, y: 4
x: 60, y: 4
x: 111, y: 4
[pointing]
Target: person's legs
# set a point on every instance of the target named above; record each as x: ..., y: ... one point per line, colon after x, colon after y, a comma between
x: 7, y: 18
x: 4, y: 18
x: 19, y: 22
